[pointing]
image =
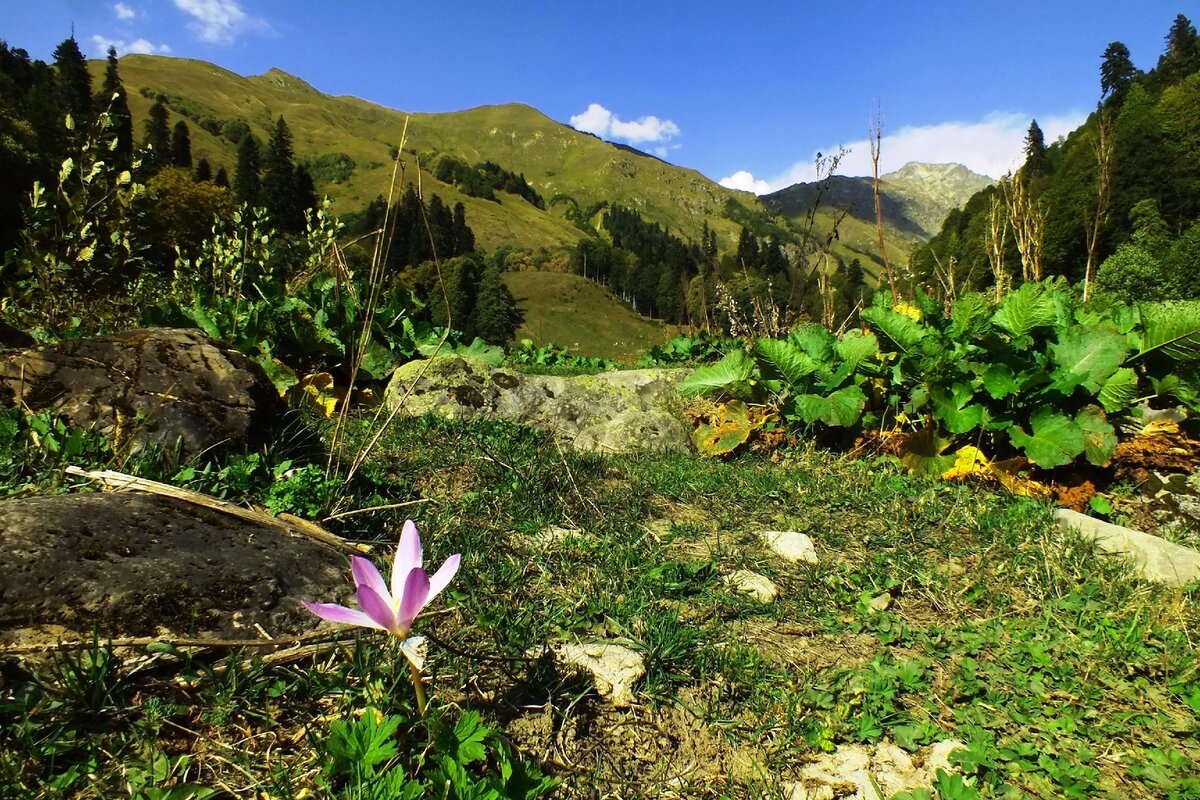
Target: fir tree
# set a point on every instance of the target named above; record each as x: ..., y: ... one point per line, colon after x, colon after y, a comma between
x: 158, y: 137
x: 203, y: 172
x: 1182, y: 56
x: 247, y: 184
x: 120, y: 121
x: 74, y: 82
x: 221, y: 178
x: 181, y: 146
x: 1037, y: 163
x: 306, y: 191
x: 464, y: 237
x: 279, y: 188
x: 496, y: 314
x: 1116, y: 73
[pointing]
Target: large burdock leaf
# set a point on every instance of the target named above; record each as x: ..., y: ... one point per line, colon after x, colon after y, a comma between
x: 1086, y: 357
x: 1119, y: 391
x: 729, y: 374
x: 814, y: 339
x: 782, y: 360
x: 1029, y: 307
x: 924, y: 453
x: 954, y: 408
x: 1056, y: 439
x: 856, y: 347
x: 730, y: 429
x: 1172, y: 329
x: 1099, y: 437
x: 999, y: 381
x: 899, y: 330
x: 842, y: 408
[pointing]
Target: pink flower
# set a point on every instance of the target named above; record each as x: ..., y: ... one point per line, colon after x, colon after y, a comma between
x: 411, y: 589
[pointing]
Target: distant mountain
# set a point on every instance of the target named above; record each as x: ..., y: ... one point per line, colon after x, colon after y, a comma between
x: 572, y: 171
x: 914, y: 199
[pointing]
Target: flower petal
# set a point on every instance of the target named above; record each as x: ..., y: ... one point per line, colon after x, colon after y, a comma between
x: 346, y: 616
x: 415, y: 649
x: 416, y: 594
x: 367, y: 574
x: 408, y: 557
x: 378, y: 609
x: 443, y: 576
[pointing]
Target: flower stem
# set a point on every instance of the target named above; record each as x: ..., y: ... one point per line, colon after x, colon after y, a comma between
x: 418, y: 686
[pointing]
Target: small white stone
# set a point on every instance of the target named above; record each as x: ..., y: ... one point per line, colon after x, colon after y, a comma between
x: 614, y: 668
x: 792, y: 545
x: 939, y: 756
x: 760, y: 587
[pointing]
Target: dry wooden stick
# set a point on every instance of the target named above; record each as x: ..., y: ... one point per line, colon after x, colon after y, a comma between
x: 121, y: 481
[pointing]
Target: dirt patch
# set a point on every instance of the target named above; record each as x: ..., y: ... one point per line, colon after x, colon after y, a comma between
x: 789, y: 644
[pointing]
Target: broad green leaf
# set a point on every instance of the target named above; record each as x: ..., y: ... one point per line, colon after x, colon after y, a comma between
x: 1119, y: 391
x: 899, y: 330
x: 1172, y: 329
x: 855, y: 347
x: 1029, y: 307
x: 969, y: 315
x: 197, y: 314
x: 1086, y: 357
x: 1055, y: 439
x: 955, y: 409
x: 1179, y: 387
x: 1099, y: 438
x: 730, y: 373
x: 785, y: 360
x: 999, y: 381
x: 470, y: 732
x: 814, y: 339
x: 924, y: 453
x: 68, y: 166
x: 843, y: 408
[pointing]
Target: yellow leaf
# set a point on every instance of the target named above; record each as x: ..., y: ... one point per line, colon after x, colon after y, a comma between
x: 969, y: 461
x: 319, y: 386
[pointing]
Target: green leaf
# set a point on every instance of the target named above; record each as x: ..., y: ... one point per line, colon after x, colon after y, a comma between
x: 1172, y: 329
x: 785, y: 360
x: 1086, y: 357
x: 470, y: 733
x: 1029, y: 307
x: 1178, y: 386
x: 955, y: 409
x: 969, y: 315
x: 999, y: 381
x: 1099, y: 437
x: 855, y: 347
x: 1055, y: 440
x: 899, y: 330
x: 843, y: 408
x: 728, y: 374
x: 1119, y: 391
x: 815, y: 340
x: 924, y: 453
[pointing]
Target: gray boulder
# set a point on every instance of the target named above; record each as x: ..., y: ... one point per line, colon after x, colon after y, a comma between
x: 144, y: 386
x: 614, y: 412
x: 136, y: 564
x: 1153, y: 558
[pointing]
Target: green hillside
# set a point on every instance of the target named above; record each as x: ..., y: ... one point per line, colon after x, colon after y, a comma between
x: 555, y: 159
x: 583, y: 316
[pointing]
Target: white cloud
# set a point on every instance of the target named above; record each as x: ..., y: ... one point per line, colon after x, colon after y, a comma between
x: 219, y: 21
x: 605, y: 124
x: 123, y: 11
x: 141, y: 46
x: 991, y: 146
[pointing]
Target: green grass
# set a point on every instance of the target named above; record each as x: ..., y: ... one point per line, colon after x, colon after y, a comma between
x: 1065, y: 677
x: 582, y: 316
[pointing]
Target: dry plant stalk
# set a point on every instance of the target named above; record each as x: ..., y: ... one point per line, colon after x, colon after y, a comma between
x: 1028, y: 222
x: 1102, y: 148
x: 876, y: 138
x: 997, y: 238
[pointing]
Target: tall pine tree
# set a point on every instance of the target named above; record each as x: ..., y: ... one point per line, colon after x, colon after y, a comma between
x: 247, y: 183
x: 1037, y: 163
x: 120, y: 121
x: 181, y: 146
x: 158, y: 137
x: 496, y: 314
x: 1116, y: 73
x: 279, y: 189
x: 74, y: 83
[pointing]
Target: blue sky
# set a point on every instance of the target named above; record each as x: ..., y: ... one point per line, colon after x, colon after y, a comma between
x: 746, y: 95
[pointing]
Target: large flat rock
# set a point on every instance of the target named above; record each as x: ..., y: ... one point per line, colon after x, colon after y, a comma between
x: 1155, y: 558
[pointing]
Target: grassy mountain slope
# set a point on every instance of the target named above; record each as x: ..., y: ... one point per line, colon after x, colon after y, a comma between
x: 554, y: 158
x: 582, y: 315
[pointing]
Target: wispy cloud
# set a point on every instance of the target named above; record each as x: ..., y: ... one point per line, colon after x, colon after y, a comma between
x: 124, y: 12
x: 991, y: 146
x: 219, y: 21
x: 140, y: 46
x: 605, y: 124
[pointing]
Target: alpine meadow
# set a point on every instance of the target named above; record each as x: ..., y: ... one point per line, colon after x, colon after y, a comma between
x: 356, y: 453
